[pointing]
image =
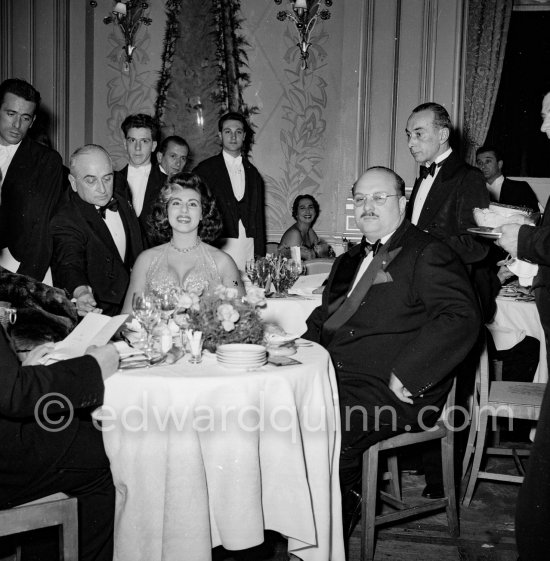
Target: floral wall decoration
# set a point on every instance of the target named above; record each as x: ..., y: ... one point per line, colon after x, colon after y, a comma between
x: 302, y: 136
x: 203, y: 73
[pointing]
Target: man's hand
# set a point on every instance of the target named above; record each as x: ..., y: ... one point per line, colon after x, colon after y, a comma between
x: 401, y: 392
x: 509, y: 239
x: 84, y: 301
x: 107, y: 358
x: 37, y: 353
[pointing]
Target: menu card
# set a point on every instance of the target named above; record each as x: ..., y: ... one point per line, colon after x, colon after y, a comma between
x: 94, y: 329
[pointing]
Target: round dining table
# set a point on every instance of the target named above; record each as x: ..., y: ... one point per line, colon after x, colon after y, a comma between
x: 202, y: 456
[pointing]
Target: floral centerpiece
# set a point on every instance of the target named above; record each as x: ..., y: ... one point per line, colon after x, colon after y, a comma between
x: 223, y: 316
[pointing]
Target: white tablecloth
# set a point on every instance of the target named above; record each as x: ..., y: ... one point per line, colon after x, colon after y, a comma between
x: 290, y: 313
x: 204, y: 456
x: 513, y: 320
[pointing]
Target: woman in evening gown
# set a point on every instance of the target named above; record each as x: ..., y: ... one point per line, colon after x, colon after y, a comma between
x: 183, y: 220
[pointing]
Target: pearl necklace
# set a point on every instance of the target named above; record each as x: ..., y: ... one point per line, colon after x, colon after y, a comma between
x: 186, y: 249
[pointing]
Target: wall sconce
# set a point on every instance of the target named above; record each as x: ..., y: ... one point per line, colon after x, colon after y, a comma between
x: 304, y: 14
x: 128, y: 15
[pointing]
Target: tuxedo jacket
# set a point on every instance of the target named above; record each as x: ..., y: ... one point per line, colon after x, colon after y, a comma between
x: 250, y: 210
x: 155, y: 182
x: 26, y: 449
x: 85, y: 253
x: 518, y: 193
x: 448, y: 210
x: 412, y: 313
x: 31, y: 192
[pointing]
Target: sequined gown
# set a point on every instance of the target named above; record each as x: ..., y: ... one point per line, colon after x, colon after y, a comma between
x: 203, y: 277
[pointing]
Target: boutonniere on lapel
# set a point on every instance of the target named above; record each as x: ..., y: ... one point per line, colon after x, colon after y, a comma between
x: 382, y: 276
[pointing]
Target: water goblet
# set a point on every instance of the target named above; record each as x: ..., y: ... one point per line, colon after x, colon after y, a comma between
x: 263, y: 270
x: 251, y: 270
x: 147, y: 313
x: 181, y: 319
x: 168, y: 302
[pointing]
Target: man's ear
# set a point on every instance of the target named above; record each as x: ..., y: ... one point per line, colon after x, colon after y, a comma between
x: 500, y: 163
x: 72, y: 181
x: 154, y: 145
x: 444, y: 134
x: 159, y: 157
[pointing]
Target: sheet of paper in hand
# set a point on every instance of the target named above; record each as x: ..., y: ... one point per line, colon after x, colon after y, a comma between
x: 94, y: 329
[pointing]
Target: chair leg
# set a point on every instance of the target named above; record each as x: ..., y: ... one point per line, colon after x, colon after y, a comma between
x: 479, y: 449
x: 68, y: 531
x: 449, y: 485
x: 393, y: 468
x: 368, y: 512
x: 471, y: 436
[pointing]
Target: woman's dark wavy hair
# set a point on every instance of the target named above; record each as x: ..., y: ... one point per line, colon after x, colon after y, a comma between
x: 299, y: 198
x: 159, y: 229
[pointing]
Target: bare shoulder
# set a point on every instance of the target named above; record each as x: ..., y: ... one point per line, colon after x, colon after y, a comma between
x: 221, y: 258
x: 146, y: 256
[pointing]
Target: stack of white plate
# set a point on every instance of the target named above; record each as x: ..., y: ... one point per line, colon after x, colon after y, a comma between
x: 241, y: 356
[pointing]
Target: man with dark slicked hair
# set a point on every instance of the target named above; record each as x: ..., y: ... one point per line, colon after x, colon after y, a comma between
x: 31, y: 184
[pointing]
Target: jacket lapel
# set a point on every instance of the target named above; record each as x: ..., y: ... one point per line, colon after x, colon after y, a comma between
x: 439, y: 191
x: 97, y: 225
x: 349, y: 305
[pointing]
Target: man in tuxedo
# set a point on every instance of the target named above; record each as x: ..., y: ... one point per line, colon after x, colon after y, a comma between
x: 31, y: 184
x: 96, y: 236
x: 447, y: 191
x: 239, y: 191
x: 397, y: 319
x: 441, y: 204
x: 501, y: 189
x: 48, y: 442
x: 532, y: 244
x: 141, y: 179
x: 172, y: 155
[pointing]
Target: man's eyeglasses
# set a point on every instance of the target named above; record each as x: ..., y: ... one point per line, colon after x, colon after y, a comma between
x: 379, y: 199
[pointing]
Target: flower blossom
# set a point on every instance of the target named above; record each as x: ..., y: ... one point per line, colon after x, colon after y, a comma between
x: 255, y: 296
x: 228, y: 316
x: 189, y: 301
x: 226, y: 293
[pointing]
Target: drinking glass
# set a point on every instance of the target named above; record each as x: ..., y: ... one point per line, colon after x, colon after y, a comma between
x: 168, y: 302
x: 263, y: 270
x: 181, y: 319
x: 147, y: 313
x: 251, y: 270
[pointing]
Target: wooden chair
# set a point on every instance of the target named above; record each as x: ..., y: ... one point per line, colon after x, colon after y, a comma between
x: 53, y: 510
x: 369, y: 520
x: 497, y: 399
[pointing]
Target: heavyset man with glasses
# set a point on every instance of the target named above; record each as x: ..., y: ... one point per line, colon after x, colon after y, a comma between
x: 396, y: 321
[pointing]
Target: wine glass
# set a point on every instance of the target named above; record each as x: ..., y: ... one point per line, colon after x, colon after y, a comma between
x: 181, y: 319
x: 263, y: 270
x: 251, y: 270
x: 168, y: 302
x: 147, y: 313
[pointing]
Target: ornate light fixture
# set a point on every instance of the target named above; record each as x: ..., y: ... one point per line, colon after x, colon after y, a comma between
x: 304, y: 14
x: 128, y: 16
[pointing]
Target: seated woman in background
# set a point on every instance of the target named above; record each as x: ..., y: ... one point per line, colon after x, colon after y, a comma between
x: 305, y: 211
x: 183, y: 220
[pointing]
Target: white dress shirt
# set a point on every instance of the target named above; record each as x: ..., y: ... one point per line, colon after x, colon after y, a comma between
x: 242, y: 248
x: 114, y: 223
x: 425, y: 186
x: 496, y: 187
x: 137, y: 179
x: 367, y: 261
x: 6, y: 156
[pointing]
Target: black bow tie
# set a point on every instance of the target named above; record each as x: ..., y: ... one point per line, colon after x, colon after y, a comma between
x: 367, y: 247
x: 111, y: 205
x: 428, y: 170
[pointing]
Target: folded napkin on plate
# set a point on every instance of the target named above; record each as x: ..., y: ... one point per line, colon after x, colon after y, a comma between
x: 305, y: 285
x: 505, y: 337
x: 525, y: 272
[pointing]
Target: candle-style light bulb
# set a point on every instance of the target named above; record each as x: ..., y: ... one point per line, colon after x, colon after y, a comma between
x: 300, y: 4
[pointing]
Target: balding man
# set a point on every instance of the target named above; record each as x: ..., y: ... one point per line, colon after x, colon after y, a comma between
x: 397, y: 319
x: 96, y: 236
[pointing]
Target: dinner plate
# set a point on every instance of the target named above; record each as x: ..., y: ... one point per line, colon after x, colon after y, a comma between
x: 240, y: 361
x: 242, y: 347
x: 485, y: 232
